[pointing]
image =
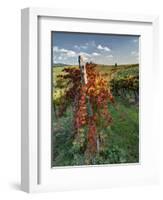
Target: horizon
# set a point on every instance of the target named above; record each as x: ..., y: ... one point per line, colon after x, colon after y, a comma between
x: 54, y: 64
x: 102, y: 49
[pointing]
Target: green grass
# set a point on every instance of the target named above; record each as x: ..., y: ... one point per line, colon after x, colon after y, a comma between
x: 122, y: 145
x: 124, y: 131
x: 62, y: 139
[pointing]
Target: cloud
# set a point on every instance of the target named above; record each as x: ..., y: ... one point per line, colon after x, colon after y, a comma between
x: 64, y: 52
x: 55, y: 48
x: 84, y: 54
x: 99, y: 47
x: 77, y: 47
x: 60, y: 58
x: 71, y: 53
x: 86, y: 45
x: 109, y: 56
x: 92, y: 43
x: 103, y: 48
x: 134, y: 53
x: 135, y: 40
x: 95, y: 54
x: 70, y: 56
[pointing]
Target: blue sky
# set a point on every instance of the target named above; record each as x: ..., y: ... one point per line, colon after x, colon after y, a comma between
x: 98, y: 48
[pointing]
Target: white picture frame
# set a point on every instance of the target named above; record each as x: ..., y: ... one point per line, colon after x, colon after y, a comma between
x: 36, y: 171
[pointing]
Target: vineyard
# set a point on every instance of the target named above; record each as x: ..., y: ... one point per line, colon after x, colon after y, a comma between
x: 95, y: 115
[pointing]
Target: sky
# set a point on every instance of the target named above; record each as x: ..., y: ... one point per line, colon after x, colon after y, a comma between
x: 98, y: 48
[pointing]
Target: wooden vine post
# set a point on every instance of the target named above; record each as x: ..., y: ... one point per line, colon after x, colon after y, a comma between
x: 84, y: 79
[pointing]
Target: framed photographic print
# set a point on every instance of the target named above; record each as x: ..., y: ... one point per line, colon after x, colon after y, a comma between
x: 95, y: 99
x: 88, y: 93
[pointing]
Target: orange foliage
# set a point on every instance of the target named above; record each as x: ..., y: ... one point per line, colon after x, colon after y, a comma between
x: 90, y: 102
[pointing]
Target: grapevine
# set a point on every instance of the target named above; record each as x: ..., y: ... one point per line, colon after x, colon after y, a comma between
x: 90, y: 108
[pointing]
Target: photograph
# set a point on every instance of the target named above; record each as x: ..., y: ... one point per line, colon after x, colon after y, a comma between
x: 94, y: 99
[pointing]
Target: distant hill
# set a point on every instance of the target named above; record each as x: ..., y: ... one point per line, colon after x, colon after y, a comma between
x: 60, y: 65
x: 100, y: 65
x: 121, y: 65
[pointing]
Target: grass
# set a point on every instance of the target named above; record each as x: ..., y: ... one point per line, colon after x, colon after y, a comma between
x: 62, y: 139
x: 122, y: 145
x: 123, y: 134
x: 124, y: 131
